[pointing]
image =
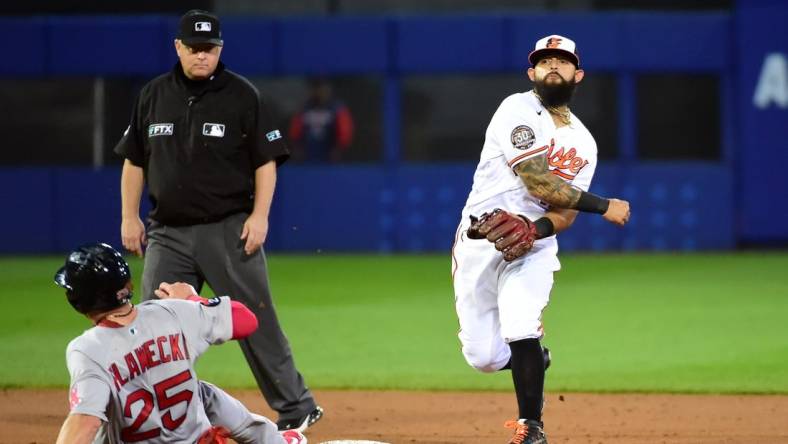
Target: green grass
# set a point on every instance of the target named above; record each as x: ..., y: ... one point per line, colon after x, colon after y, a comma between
x: 634, y: 323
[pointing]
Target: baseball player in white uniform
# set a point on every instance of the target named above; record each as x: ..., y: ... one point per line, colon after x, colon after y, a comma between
x: 536, y: 166
x: 134, y: 370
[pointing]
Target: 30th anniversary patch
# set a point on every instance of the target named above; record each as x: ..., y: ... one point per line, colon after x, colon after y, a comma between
x: 523, y: 137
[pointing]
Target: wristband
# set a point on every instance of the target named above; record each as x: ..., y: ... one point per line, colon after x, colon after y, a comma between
x: 544, y: 227
x: 591, y: 203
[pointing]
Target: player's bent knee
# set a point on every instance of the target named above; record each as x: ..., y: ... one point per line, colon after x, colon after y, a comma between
x: 482, y: 361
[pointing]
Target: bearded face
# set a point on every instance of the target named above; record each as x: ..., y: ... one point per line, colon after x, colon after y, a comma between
x: 554, y: 90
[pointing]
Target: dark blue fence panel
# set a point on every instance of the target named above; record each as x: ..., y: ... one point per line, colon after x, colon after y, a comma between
x: 680, y: 207
x: 118, y: 45
x: 439, y: 44
x: 250, y: 45
x: 674, y: 207
x: 412, y: 209
x: 429, y: 200
x: 341, y: 45
x: 86, y: 206
x: 108, y: 45
x: 25, y: 51
x: 762, y: 115
x: 677, y: 42
x: 328, y: 209
x: 27, y: 223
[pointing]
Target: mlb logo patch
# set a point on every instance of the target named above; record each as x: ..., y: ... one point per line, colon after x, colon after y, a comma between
x: 202, y: 26
x: 273, y: 135
x: 213, y: 129
x: 160, y: 129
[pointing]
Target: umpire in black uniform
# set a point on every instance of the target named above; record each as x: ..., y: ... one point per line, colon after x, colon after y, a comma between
x: 204, y: 142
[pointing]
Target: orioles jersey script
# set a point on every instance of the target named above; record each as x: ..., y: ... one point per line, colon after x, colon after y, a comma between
x: 521, y: 129
x: 140, y: 378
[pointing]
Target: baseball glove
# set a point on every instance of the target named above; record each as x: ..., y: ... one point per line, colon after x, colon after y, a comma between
x: 214, y: 435
x: 512, y: 234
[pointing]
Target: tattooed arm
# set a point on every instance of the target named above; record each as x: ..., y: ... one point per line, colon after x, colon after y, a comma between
x: 545, y: 185
x: 548, y: 187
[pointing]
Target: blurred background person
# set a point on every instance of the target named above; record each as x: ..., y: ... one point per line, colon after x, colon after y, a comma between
x: 322, y: 130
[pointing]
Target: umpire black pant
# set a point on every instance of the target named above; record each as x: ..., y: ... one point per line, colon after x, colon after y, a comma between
x: 214, y: 253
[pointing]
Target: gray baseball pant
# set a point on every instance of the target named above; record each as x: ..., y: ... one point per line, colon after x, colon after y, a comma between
x: 244, y: 426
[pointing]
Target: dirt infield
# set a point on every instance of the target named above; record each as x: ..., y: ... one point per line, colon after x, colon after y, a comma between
x: 34, y: 416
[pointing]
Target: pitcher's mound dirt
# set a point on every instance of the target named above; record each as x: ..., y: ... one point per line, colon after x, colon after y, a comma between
x: 35, y: 416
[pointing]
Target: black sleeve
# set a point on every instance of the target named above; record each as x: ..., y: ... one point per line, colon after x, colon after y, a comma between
x: 267, y: 141
x: 131, y: 145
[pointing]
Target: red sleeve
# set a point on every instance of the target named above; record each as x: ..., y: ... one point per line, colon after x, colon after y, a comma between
x: 296, y: 127
x: 344, y: 128
x: 244, y: 321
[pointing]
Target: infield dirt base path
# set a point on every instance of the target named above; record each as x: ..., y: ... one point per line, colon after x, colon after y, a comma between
x: 35, y: 416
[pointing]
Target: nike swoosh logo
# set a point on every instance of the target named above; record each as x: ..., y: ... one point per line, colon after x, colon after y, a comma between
x: 539, y: 113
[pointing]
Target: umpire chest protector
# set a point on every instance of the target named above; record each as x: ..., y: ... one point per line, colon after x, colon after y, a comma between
x: 199, y: 143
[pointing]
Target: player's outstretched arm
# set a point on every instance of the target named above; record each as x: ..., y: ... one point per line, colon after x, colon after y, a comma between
x: 78, y: 429
x: 244, y: 320
x: 550, y: 188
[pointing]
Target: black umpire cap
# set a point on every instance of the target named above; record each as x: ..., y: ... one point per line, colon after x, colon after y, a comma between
x: 200, y: 27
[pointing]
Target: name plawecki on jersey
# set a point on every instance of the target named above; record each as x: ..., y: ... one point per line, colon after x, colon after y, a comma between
x: 521, y: 129
x: 145, y: 371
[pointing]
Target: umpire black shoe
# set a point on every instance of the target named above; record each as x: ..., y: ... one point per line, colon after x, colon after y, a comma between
x: 301, y: 423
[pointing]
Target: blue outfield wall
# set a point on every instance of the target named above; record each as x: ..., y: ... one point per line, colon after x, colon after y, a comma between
x: 762, y: 125
x: 372, y: 208
x: 414, y: 208
x: 613, y: 41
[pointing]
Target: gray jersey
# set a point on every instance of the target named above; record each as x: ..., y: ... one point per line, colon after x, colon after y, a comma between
x: 140, y: 378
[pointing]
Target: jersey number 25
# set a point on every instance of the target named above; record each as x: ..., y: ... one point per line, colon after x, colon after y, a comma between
x: 163, y: 402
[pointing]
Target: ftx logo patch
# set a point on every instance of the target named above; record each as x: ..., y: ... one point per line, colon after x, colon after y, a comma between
x: 160, y: 129
x: 213, y: 129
